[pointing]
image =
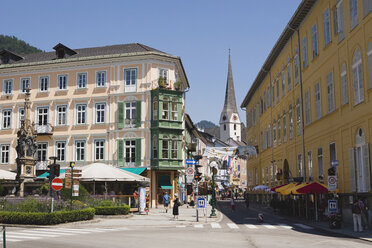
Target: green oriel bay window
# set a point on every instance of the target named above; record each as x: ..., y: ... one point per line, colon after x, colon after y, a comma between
x: 129, y: 114
x: 129, y: 152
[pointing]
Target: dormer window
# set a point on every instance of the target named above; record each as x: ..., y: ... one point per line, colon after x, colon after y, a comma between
x: 62, y: 51
x: 7, y: 56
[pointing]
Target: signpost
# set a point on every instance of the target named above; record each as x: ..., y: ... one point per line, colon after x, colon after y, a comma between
x: 332, y: 183
x: 57, y: 184
x: 201, y: 202
x: 334, y: 163
x: 190, y: 161
x: 189, y: 175
x: 332, y: 206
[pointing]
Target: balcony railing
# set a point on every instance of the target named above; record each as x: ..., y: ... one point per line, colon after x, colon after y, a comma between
x: 42, y: 165
x: 44, y: 129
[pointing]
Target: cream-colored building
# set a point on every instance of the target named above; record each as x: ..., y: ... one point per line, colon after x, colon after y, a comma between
x: 97, y: 105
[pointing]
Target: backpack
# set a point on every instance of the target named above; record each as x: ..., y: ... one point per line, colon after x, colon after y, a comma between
x: 356, y: 209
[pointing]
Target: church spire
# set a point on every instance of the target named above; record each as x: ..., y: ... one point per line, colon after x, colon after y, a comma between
x: 230, y: 101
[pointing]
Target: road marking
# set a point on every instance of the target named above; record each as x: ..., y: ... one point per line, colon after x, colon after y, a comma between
x: 180, y: 226
x: 60, y: 230
x: 215, y: 225
x: 250, y: 226
x: 11, y: 240
x: 304, y: 226
x: 34, y: 233
x: 285, y: 226
x: 23, y: 237
x: 199, y: 226
x: 232, y: 225
x: 269, y: 226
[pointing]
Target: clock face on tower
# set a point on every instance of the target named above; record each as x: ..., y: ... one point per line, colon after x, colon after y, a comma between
x: 235, y: 117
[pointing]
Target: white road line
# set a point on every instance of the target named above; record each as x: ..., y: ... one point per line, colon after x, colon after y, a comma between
x: 250, y: 226
x: 11, y: 240
x: 304, y: 226
x: 63, y: 231
x: 232, y: 225
x: 180, y: 226
x: 18, y: 236
x: 35, y: 234
x: 269, y: 226
x: 215, y: 225
x: 199, y: 226
x: 285, y: 226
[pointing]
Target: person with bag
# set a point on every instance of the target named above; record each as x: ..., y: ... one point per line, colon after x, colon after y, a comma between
x: 357, y: 216
x: 175, y: 207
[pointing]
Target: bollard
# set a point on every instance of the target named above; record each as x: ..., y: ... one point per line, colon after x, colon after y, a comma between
x: 4, y: 238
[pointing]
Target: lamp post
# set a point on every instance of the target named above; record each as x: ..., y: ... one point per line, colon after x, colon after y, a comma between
x: 213, y: 211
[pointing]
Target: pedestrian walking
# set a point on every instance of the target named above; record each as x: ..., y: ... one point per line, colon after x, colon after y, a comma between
x: 166, y: 198
x: 357, y: 216
x: 176, y: 204
x: 232, y: 203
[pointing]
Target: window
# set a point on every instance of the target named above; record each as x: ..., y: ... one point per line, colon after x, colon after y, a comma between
x: 165, y: 150
x: 61, y: 115
x: 174, y: 109
x: 310, y: 163
x: 369, y: 54
x: 42, y: 151
x: 5, y: 150
x: 21, y: 116
x: 155, y: 108
x: 99, y: 150
x: 279, y: 129
x: 300, y: 174
x: 274, y: 132
x: 165, y: 115
x: 61, y: 150
x: 296, y: 67
x: 360, y: 163
x: 265, y: 138
x: 268, y: 96
x: 318, y: 105
x: 42, y: 116
x: 314, y: 39
x: 339, y: 14
x: 81, y: 117
x: 345, y: 96
x: 332, y: 152
x: 298, y: 115
x: 320, y: 163
x: 357, y: 78
x: 62, y: 82
x: 25, y: 83
x: 100, y: 79
x: 7, y: 118
x: 289, y: 74
x: 277, y: 88
x: 270, y: 137
x: 164, y: 73
x: 44, y: 84
x: 353, y: 14
x: 304, y: 52
x: 130, y: 114
x: 130, y: 152
x: 264, y: 100
x: 224, y: 127
x: 82, y: 80
x: 100, y: 112
x: 174, y: 147
x: 367, y: 6
x: 273, y: 92
x: 283, y: 82
x: 290, y: 117
x: 8, y: 86
x: 330, y: 93
x: 130, y: 80
x: 80, y: 150
x: 155, y: 147
x: 307, y: 108
x: 326, y: 27
x: 284, y: 127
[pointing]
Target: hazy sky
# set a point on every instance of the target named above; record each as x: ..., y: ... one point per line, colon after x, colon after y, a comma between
x: 199, y: 31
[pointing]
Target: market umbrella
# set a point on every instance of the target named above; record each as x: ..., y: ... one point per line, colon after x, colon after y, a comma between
x: 292, y: 189
x: 277, y: 187
x: 261, y: 187
x: 282, y: 188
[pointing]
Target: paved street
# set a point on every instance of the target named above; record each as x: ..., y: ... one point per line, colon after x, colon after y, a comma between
x: 239, y: 229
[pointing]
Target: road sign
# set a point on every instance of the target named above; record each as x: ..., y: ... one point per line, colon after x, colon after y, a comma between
x: 190, y: 161
x: 201, y: 202
x: 332, y: 183
x: 189, y: 178
x: 190, y: 171
x: 334, y: 163
x: 332, y: 206
x: 75, y: 190
x: 57, y: 184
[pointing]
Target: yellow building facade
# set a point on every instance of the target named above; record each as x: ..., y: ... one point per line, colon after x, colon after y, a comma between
x: 311, y: 103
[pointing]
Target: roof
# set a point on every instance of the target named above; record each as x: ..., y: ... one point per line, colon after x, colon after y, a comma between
x: 295, y: 22
x: 230, y: 101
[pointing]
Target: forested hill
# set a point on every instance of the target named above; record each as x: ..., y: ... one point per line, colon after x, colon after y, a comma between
x: 15, y: 45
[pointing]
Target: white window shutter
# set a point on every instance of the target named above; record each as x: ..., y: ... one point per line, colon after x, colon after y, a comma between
x: 352, y: 170
x: 366, y: 168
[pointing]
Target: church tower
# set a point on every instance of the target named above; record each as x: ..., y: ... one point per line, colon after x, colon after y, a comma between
x: 230, y: 124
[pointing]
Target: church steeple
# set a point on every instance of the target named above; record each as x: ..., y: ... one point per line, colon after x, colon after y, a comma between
x: 230, y: 125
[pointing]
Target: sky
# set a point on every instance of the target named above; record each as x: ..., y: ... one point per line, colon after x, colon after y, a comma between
x: 200, y: 32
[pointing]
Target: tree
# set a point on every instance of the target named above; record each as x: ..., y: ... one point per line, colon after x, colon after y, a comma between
x: 15, y: 45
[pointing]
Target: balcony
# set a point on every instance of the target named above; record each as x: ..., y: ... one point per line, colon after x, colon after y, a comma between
x: 46, y: 129
x: 42, y: 165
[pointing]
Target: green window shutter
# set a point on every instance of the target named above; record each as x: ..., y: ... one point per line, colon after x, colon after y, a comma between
x: 138, y: 114
x: 138, y: 152
x: 120, y: 152
x: 179, y: 108
x: 179, y: 149
x: 120, y: 114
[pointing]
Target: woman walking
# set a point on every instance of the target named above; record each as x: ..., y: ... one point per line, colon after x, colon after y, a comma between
x: 175, y: 207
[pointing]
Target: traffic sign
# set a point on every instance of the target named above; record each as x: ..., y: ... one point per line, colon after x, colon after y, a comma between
x: 332, y: 183
x: 190, y: 171
x: 189, y: 178
x: 57, y: 184
x: 190, y: 161
x: 334, y: 163
x: 201, y: 202
x: 332, y: 206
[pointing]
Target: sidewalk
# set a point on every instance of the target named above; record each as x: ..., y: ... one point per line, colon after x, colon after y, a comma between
x: 323, y: 225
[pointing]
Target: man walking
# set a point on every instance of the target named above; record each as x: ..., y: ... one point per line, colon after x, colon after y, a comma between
x: 166, y: 198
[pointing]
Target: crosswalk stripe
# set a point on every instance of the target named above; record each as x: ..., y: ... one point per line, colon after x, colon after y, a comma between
x: 35, y: 234
x: 180, y: 226
x: 199, y: 226
x: 250, y: 226
x: 10, y: 240
x: 269, y: 226
x: 63, y: 231
x: 22, y: 237
x: 215, y: 225
x: 303, y: 226
x: 232, y: 225
x: 285, y: 226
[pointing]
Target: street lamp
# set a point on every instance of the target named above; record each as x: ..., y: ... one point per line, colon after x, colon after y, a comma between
x: 214, y: 172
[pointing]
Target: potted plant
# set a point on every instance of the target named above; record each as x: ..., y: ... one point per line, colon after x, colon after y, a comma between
x: 161, y: 82
x: 177, y: 85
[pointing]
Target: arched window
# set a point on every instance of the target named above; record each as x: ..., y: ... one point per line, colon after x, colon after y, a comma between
x: 234, y: 127
x: 345, y: 97
x: 369, y: 54
x: 155, y: 108
x: 165, y: 150
x: 174, y: 109
x: 362, y: 163
x: 174, y: 147
x: 165, y: 115
x: 357, y: 77
x: 224, y: 127
x: 155, y: 147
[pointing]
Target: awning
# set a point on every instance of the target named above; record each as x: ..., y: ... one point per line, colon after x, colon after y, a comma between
x: 46, y: 174
x: 164, y: 182
x: 136, y: 171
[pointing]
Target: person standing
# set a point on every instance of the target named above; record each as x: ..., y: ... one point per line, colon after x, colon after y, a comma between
x: 232, y: 203
x: 166, y: 199
x: 175, y: 207
x: 364, y: 212
x: 246, y: 199
x: 357, y: 217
